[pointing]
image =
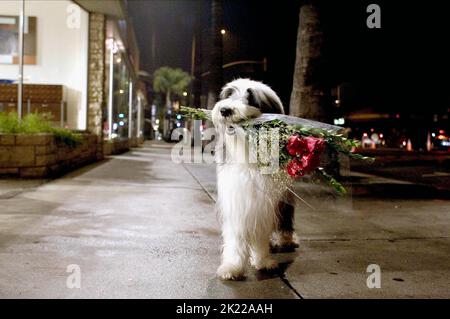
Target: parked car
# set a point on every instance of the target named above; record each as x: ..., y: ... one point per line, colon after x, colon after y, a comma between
x: 440, y: 140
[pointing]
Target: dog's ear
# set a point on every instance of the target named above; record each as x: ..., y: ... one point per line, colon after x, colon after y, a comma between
x: 252, y: 100
x: 265, y: 102
x: 226, y: 92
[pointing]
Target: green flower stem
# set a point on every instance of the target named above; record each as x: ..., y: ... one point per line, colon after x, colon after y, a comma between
x: 195, y: 114
x: 334, y: 140
x: 338, y: 187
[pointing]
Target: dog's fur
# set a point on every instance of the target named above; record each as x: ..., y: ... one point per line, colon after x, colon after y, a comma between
x: 251, y: 207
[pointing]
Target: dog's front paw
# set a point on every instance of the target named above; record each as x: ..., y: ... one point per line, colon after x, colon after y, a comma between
x: 267, y: 264
x: 230, y: 272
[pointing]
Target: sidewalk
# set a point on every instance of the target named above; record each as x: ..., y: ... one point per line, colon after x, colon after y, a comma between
x: 404, y: 232
x: 140, y: 226
x: 426, y: 169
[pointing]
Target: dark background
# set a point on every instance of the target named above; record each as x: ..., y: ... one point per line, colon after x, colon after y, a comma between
x: 402, y: 67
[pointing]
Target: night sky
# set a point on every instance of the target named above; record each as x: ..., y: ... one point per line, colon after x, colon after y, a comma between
x: 403, y: 66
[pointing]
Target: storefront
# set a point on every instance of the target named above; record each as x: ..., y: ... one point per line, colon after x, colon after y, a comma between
x: 80, y: 65
x: 55, y: 59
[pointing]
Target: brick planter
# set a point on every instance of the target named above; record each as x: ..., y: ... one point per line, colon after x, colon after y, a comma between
x: 116, y: 146
x: 40, y: 155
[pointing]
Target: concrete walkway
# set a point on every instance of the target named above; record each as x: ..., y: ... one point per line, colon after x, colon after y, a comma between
x: 140, y: 226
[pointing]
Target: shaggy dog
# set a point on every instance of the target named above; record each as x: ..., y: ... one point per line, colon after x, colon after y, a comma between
x: 251, y: 205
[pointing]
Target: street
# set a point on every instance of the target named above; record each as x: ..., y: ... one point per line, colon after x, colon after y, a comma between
x: 140, y: 226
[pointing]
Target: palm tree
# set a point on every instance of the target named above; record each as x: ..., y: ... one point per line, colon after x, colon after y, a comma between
x: 169, y: 81
x: 310, y: 97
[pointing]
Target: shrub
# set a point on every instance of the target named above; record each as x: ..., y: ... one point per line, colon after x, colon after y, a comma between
x: 36, y: 123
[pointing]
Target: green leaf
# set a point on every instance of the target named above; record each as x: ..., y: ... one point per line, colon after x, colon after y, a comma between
x: 36, y: 123
x: 167, y: 79
x: 193, y: 113
x: 338, y: 187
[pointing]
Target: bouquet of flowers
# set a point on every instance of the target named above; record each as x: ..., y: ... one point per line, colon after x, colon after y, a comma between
x: 302, y: 142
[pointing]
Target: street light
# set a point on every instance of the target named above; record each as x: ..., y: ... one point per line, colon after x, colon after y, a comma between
x: 112, y: 50
x: 223, y: 31
x: 21, y: 54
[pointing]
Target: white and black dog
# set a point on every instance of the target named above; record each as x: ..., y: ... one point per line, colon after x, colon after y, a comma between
x: 251, y: 206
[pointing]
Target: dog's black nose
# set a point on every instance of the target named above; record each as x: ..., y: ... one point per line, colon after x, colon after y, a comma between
x: 226, y: 111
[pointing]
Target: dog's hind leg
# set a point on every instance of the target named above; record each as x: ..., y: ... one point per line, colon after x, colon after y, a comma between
x: 284, y: 238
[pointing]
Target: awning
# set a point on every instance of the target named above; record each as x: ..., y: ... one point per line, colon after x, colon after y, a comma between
x: 114, y: 8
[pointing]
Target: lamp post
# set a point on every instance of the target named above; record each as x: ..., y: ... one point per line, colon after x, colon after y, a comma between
x: 130, y: 110
x: 112, y: 51
x: 20, y: 82
x: 139, y: 115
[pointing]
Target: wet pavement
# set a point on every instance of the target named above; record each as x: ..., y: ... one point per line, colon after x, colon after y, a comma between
x: 425, y: 169
x: 140, y: 226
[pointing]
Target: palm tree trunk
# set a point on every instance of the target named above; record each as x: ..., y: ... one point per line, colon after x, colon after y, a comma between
x: 311, y: 92
x: 168, y: 101
x: 310, y: 96
x: 167, y: 119
x: 197, y: 60
x: 216, y: 55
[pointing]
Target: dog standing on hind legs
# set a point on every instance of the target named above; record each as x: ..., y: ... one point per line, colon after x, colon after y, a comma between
x: 252, y: 207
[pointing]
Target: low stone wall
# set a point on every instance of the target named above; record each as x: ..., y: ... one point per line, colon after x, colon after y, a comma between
x: 40, y: 155
x: 116, y: 146
x: 136, y: 141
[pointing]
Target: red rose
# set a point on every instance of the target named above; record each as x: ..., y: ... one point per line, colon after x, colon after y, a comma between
x: 306, y: 152
x: 295, y: 168
x: 310, y: 161
x: 296, y: 145
x: 314, y: 144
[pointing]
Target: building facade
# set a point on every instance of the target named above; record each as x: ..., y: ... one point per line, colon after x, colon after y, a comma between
x: 81, y: 64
